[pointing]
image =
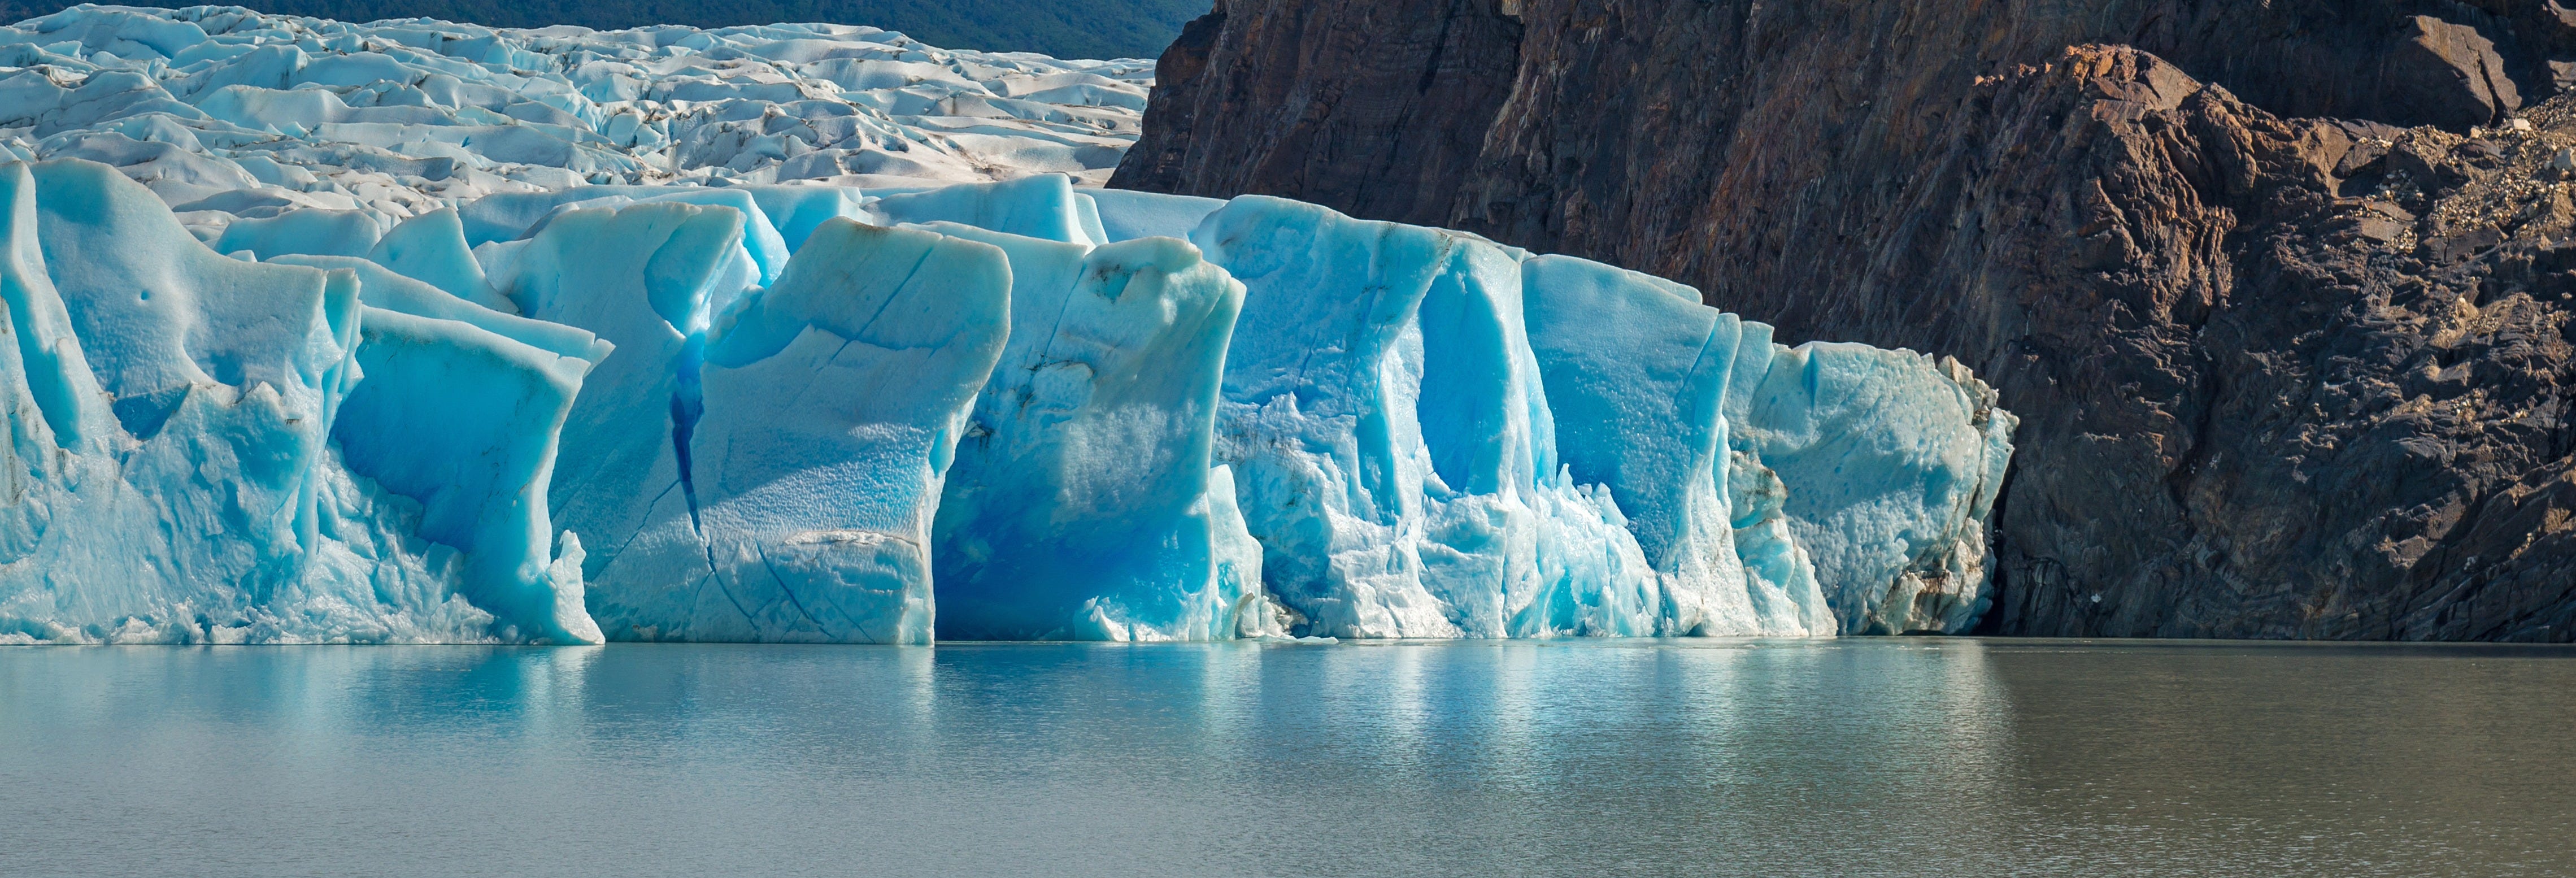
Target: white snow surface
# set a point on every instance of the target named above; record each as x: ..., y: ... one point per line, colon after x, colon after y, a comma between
x: 417, y: 332
x: 231, y: 115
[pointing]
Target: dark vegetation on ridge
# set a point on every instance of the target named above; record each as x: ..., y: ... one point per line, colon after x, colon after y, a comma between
x: 1086, y: 29
x: 2281, y: 289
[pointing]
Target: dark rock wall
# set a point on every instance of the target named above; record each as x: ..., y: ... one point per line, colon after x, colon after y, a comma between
x: 1361, y: 98
x: 2279, y: 377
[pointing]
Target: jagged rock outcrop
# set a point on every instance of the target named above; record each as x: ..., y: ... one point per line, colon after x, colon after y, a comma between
x: 2445, y: 74
x: 2279, y: 376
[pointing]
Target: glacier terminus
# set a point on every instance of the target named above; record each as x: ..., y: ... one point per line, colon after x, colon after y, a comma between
x: 421, y: 332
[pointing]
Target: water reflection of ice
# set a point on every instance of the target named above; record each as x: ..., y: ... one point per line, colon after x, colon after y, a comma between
x: 1578, y: 757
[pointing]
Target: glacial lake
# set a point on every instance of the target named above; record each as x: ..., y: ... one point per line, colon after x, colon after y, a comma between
x: 1850, y: 757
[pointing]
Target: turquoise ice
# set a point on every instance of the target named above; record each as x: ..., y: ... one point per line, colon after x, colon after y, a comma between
x: 414, y: 331
x: 1085, y: 501
x: 182, y: 475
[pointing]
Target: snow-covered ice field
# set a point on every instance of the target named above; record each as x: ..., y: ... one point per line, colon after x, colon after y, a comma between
x: 227, y: 113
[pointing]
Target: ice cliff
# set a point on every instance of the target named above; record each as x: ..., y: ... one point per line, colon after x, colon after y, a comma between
x: 419, y: 332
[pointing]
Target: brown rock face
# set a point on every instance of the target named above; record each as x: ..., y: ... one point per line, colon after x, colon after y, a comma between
x: 1360, y: 101
x: 2278, y: 377
x: 2446, y: 74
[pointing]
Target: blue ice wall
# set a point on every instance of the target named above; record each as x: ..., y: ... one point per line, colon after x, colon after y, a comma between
x: 1081, y: 502
x: 173, y: 417
x: 1003, y: 410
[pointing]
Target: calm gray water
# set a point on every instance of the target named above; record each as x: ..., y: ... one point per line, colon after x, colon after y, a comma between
x: 1854, y: 757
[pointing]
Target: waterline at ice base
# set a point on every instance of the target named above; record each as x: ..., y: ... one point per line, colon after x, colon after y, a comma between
x: 650, y: 397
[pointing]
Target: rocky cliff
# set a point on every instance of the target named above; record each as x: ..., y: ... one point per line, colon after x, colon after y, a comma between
x: 2286, y: 367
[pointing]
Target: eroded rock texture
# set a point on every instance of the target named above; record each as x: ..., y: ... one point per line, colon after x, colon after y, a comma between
x: 2280, y: 376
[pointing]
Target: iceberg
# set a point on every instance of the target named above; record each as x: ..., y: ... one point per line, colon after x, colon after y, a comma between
x: 421, y: 332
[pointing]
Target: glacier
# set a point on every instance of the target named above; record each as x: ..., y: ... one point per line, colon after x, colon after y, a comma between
x: 412, y: 331
x: 1085, y: 501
